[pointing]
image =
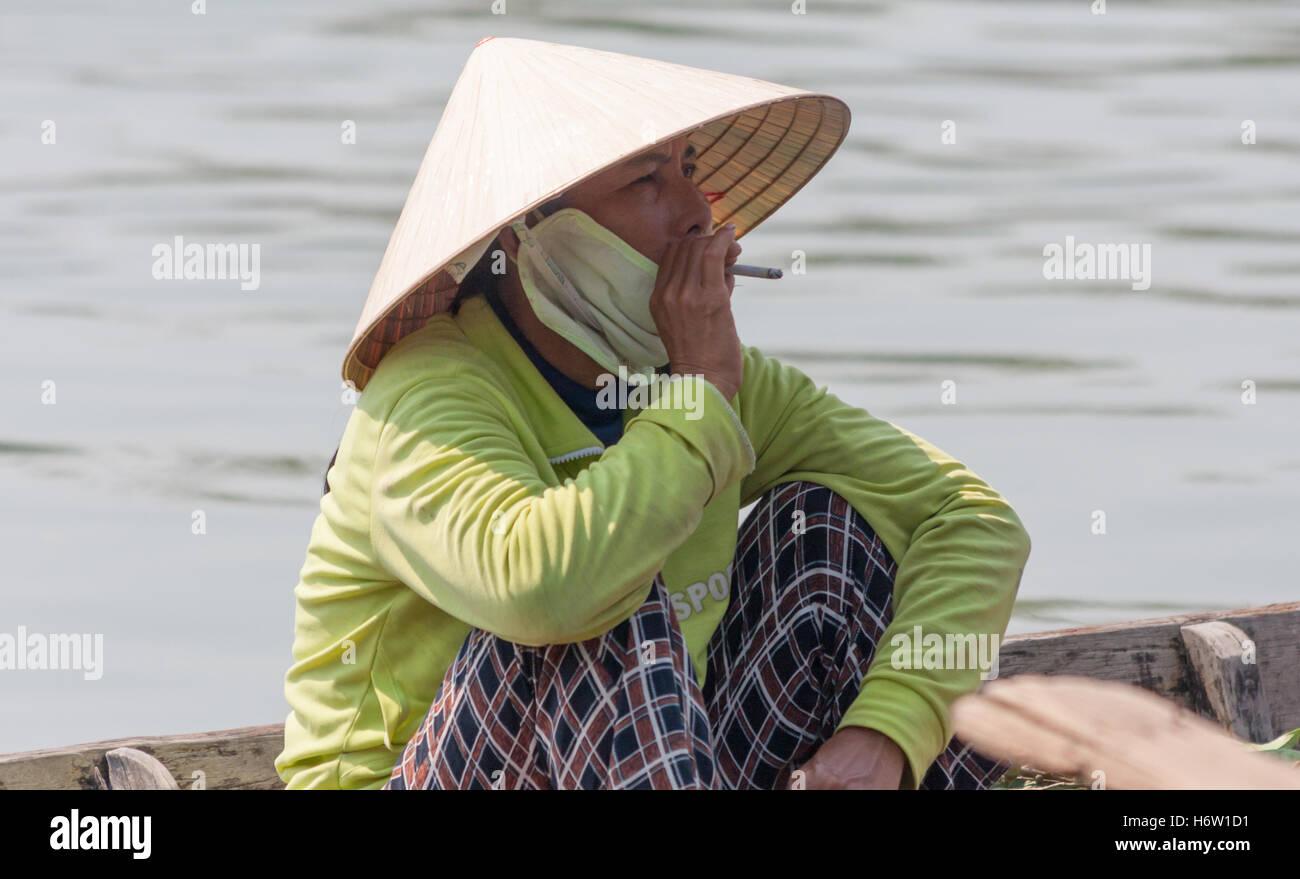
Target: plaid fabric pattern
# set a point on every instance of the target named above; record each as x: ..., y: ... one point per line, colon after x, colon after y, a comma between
x: 811, y: 591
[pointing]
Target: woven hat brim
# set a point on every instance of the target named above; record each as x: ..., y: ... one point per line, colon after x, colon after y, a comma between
x: 757, y: 158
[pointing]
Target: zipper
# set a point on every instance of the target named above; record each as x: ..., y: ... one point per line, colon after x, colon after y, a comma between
x: 580, y: 453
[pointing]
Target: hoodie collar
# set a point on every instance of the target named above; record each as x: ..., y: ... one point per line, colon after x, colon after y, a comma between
x: 560, y: 431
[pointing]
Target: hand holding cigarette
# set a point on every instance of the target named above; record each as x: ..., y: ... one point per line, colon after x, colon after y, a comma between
x: 691, y: 307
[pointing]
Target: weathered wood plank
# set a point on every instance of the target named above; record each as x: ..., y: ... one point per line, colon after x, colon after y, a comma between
x: 1111, y: 735
x: 231, y: 758
x: 1151, y: 654
x: 1221, y: 658
x: 132, y: 769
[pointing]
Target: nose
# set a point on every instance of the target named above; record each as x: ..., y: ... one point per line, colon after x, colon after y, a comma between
x: 693, y: 211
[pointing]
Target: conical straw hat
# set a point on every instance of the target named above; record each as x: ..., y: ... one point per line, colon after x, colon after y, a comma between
x: 527, y: 120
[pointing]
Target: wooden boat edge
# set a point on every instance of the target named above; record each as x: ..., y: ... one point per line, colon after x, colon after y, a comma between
x: 1147, y: 652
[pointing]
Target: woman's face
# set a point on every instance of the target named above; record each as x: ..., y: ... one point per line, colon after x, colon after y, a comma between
x: 648, y: 200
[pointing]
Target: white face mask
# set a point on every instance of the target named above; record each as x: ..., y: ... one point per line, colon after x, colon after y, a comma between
x: 591, y: 287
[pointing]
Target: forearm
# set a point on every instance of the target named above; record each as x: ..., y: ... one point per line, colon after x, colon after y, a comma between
x: 959, y: 578
x: 470, y: 525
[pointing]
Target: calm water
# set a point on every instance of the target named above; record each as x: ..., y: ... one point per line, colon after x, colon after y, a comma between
x: 925, y: 266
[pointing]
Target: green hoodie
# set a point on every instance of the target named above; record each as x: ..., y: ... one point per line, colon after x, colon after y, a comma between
x: 466, y: 493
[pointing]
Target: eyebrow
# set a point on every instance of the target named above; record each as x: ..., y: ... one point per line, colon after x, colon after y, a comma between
x: 661, y: 158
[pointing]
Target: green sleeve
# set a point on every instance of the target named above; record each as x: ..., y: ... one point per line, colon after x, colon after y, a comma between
x: 960, y: 548
x: 461, y: 515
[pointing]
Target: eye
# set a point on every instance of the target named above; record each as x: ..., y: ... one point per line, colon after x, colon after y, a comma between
x: 688, y: 171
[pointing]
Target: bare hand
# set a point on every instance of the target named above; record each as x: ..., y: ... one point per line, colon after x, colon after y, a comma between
x: 855, y: 758
x: 691, y: 306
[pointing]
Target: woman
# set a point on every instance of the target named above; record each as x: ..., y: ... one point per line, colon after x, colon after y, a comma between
x: 511, y: 584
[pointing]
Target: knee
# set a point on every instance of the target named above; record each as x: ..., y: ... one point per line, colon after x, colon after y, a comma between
x: 803, y: 507
x: 816, y: 527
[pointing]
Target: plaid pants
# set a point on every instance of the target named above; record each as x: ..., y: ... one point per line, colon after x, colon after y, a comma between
x: 623, y: 710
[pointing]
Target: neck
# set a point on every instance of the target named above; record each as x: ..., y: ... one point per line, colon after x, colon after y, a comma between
x: 559, y: 352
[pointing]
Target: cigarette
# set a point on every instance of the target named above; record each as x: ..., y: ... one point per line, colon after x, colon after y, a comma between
x: 753, y: 271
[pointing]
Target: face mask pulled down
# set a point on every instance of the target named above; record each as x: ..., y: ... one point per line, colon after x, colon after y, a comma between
x: 593, y: 289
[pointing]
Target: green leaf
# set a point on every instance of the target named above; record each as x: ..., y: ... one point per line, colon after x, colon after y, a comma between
x: 1028, y: 778
x: 1286, y: 742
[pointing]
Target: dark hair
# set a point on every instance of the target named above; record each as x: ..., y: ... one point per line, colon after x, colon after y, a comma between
x: 481, y: 280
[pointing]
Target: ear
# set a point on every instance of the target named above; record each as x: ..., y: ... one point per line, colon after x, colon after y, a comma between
x: 508, y: 241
